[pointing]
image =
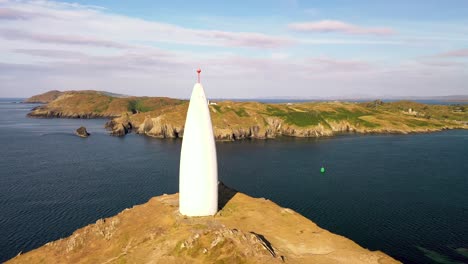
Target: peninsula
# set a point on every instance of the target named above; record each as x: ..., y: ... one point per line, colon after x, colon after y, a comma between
x: 165, y: 117
x: 245, y: 230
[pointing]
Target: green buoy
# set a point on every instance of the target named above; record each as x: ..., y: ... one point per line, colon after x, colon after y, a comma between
x: 322, y: 170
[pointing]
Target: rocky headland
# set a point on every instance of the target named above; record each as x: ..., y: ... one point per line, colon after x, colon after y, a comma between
x: 165, y: 117
x: 245, y: 230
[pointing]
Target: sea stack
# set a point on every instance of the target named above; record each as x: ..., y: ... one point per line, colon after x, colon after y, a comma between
x: 198, y: 175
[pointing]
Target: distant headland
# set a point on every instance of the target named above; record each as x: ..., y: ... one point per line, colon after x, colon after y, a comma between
x: 164, y: 117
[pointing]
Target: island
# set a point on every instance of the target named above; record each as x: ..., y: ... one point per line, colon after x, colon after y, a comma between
x: 232, y: 120
x: 245, y: 230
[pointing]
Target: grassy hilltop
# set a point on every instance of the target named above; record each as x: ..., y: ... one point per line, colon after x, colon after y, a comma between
x: 245, y: 230
x: 94, y: 104
x: 44, y: 98
x: 165, y: 117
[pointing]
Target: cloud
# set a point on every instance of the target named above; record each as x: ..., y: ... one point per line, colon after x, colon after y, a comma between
x: 330, y: 64
x: 228, y: 76
x: 59, y: 39
x: 13, y: 14
x: 336, y: 41
x: 70, y: 62
x: 454, y: 53
x: 449, y: 59
x: 443, y: 63
x: 279, y: 68
x: 247, y: 39
x: 51, y: 53
x: 87, y: 23
x: 335, y: 26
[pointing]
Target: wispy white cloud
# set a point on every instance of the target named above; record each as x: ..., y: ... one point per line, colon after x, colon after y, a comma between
x: 448, y: 59
x: 335, y: 26
x: 330, y: 64
x: 51, y: 53
x: 247, y: 39
x: 13, y: 14
x: 86, y: 23
x: 59, y: 39
x: 444, y: 63
x: 454, y: 53
x: 338, y: 41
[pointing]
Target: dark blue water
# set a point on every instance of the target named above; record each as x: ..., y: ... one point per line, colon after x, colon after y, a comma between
x: 406, y: 195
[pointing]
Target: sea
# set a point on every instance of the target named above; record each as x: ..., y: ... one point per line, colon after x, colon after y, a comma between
x: 406, y: 195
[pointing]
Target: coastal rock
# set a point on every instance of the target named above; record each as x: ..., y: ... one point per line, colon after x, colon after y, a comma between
x: 119, y: 130
x: 159, y: 127
x: 82, y: 132
x: 119, y: 126
x: 313, y: 131
x: 253, y: 132
x: 341, y: 126
x: 223, y: 134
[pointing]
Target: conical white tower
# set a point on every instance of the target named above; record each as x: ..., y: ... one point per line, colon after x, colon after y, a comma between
x: 198, y: 176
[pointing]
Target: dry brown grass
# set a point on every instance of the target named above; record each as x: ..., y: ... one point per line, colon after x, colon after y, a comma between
x: 246, y: 230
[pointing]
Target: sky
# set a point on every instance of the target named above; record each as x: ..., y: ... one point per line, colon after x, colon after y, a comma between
x: 246, y: 49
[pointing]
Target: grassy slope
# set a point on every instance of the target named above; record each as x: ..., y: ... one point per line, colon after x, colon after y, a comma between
x: 363, y: 115
x: 44, y: 98
x: 94, y: 103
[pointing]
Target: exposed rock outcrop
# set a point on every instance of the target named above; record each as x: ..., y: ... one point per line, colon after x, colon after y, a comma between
x: 119, y: 126
x: 82, y: 132
x: 160, y: 127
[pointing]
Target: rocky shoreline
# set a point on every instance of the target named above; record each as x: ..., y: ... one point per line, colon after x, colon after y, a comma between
x: 165, y: 117
x: 160, y: 127
x: 156, y: 127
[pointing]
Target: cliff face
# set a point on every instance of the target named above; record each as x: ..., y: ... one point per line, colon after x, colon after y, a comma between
x: 245, y: 230
x: 160, y: 127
